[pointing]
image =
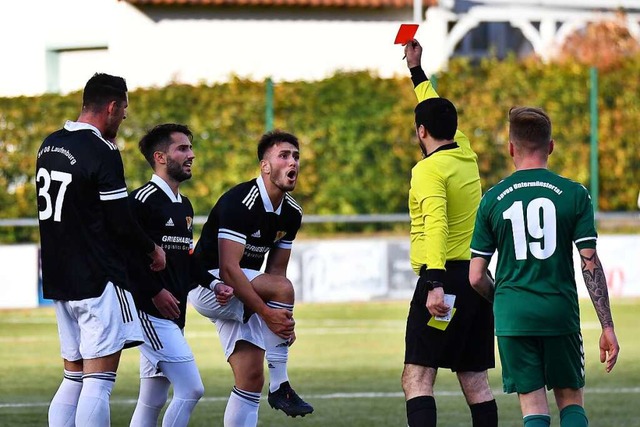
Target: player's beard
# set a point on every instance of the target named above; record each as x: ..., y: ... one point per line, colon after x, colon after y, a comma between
x: 110, y: 132
x: 423, y: 150
x: 113, y: 124
x: 175, y: 170
x: 284, y: 183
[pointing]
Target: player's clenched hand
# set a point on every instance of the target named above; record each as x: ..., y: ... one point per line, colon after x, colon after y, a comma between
x: 609, y: 348
x: 280, y: 321
x: 158, y: 259
x: 167, y: 304
x: 292, y: 339
x: 413, y: 52
x: 435, y: 302
x: 223, y: 292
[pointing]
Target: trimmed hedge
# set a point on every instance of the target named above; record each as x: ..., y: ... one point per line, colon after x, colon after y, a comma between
x: 357, y: 137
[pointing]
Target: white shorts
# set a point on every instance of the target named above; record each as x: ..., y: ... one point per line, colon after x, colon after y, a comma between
x: 98, y: 327
x: 231, y: 331
x: 228, y: 318
x: 164, y: 342
x: 205, y: 302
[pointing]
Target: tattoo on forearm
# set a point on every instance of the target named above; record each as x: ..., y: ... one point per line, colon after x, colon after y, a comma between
x: 487, y: 291
x: 491, y: 290
x: 596, y: 283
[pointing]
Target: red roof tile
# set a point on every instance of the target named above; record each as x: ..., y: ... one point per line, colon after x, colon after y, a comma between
x: 305, y: 3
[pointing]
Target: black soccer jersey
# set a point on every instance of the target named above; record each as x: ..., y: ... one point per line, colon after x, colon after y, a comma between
x: 84, y: 218
x: 168, y: 220
x: 245, y: 215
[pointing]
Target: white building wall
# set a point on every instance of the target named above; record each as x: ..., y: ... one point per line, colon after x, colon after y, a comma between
x: 28, y: 28
x: 155, y: 50
x: 56, y: 45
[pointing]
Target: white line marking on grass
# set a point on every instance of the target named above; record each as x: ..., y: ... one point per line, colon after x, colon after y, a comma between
x: 363, y: 395
x: 624, y: 390
x: 316, y: 331
x: 33, y: 321
x: 35, y: 338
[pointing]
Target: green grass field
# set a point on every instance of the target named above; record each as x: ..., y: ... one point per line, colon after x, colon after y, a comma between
x: 347, y: 363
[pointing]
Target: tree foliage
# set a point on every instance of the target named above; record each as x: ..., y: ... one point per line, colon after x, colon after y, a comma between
x: 358, y: 142
x: 603, y: 44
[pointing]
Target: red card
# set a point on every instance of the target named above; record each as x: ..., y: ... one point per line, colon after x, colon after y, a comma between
x: 406, y: 32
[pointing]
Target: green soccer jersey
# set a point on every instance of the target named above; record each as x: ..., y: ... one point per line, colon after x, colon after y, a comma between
x: 532, y: 219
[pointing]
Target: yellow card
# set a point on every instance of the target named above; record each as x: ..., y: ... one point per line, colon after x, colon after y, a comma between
x: 441, y: 324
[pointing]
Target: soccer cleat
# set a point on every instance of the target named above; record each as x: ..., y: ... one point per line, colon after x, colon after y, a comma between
x: 288, y: 401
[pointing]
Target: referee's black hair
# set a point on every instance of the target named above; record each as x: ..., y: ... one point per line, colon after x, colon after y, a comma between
x: 271, y: 138
x: 159, y: 139
x: 103, y: 88
x: 438, y: 116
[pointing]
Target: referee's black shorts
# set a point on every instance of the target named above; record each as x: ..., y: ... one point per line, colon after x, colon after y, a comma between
x: 467, y: 344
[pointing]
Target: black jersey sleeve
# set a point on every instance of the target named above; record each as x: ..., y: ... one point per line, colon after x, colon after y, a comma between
x: 236, y: 220
x: 148, y: 288
x: 113, y: 195
x: 206, y: 250
x: 417, y: 75
x: 199, y: 274
x: 121, y: 223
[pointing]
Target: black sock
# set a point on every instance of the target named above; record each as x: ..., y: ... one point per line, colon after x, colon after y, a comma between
x: 484, y: 414
x: 421, y: 411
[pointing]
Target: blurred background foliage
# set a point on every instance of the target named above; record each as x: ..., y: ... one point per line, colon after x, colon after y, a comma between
x: 358, y: 142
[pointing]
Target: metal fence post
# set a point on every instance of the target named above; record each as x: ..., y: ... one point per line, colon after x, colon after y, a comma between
x: 594, y: 169
x: 269, y: 104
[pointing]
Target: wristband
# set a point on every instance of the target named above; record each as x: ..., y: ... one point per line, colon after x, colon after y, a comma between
x: 213, y: 284
x: 431, y: 278
x: 435, y: 284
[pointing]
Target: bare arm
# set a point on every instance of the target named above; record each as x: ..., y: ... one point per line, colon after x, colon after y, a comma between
x: 596, y: 283
x: 278, y: 320
x: 278, y: 261
x: 231, y: 274
x: 480, y: 280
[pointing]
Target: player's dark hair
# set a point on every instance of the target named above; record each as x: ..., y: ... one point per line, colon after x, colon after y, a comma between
x: 438, y: 116
x: 529, y: 128
x: 103, y: 88
x: 273, y: 137
x: 159, y: 139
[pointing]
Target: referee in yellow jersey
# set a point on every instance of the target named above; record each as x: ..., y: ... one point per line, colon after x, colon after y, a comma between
x: 443, y: 199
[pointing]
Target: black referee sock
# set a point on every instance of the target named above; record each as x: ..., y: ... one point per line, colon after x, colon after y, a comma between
x: 484, y: 414
x: 421, y: 411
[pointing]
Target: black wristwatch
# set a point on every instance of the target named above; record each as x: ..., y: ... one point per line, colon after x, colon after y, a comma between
x: 434, y: 284
x: 432, y: 278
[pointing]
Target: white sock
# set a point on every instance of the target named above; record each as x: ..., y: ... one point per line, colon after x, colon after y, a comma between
x: 276, y: 351
x: 93, y: 404
x: 62, y: 411
x: 153, y: 395
x: 187, y: 391
x: 242, y: 409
